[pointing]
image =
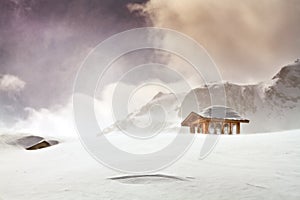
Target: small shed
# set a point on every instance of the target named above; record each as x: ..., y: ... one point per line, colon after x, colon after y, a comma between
x: 215, y: 119
x: 35, y: 142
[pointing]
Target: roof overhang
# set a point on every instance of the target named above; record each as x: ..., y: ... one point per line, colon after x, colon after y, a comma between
x: 192, y: 117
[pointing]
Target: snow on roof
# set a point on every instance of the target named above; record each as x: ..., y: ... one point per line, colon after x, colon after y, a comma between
x: 220, y: 112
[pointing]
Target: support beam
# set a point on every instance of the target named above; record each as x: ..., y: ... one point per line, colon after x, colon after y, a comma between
x: 215, y: 130
x: 230, y: 128
x: 206, y: 124
x: 192, y: 129
x: 198, y: 128
x: 222, y: 131
x: 238, y: 128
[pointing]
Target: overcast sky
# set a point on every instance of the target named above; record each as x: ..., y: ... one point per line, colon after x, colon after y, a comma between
x: 43, y: 42
x: 249, y: 40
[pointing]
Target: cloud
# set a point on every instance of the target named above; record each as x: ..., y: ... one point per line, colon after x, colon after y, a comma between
x: 55, y: 122
x: 249, y: 40
x: 45, y: 42
x: 11, y: 83
x: 58, y: 121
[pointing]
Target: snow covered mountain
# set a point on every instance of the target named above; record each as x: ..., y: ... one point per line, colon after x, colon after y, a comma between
x: 270, y: 106
x: 169, y: 102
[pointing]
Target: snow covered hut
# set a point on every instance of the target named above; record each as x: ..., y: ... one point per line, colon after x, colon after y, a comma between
x: 215, y: 119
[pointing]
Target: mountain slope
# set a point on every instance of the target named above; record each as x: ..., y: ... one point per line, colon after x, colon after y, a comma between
x: 271, y: 105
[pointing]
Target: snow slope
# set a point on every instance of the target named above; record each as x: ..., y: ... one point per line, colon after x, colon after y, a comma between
x: 260, y: 166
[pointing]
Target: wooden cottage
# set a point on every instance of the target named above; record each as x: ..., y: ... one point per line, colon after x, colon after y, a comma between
x: 215, y: 119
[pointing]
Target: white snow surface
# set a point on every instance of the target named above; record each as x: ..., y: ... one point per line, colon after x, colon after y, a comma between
x: 249, y: 166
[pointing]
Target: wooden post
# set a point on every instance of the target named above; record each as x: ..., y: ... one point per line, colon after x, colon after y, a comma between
x: 215, y: 126
x: 206, y: 124
x: 198, y: 128
x: 192, y: 129
x: 222, y: 132
x: 207, y: 127
x: 230, y: 128
x: 201, y: 128
x: 238, y: 128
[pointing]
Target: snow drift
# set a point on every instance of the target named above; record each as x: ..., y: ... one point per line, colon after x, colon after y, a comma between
x: 256, y: 166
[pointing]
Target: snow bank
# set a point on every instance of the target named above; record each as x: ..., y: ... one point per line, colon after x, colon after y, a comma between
x: 260, y: 166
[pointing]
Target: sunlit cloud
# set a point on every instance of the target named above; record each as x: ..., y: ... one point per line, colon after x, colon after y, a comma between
x: 243, y: 37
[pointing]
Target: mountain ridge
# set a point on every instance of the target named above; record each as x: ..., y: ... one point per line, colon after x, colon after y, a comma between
x: 271, y: 105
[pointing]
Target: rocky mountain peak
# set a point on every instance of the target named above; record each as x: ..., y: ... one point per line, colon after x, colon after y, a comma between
x: 289, y: 71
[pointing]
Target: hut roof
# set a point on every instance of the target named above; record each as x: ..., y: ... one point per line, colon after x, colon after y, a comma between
x: 221, y: 112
